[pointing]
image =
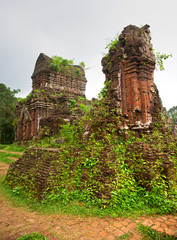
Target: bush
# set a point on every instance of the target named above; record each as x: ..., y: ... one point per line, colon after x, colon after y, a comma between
x: 33, y: 236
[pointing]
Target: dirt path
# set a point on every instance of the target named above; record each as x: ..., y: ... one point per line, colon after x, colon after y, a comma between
x: 15, y: 222
x: 19, y: 153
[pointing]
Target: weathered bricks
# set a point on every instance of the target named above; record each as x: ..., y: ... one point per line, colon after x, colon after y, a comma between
x: 43, y: 106
x: 132, y: 58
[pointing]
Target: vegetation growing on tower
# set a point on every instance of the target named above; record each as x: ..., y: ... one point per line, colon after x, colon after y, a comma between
x: 116, y: 153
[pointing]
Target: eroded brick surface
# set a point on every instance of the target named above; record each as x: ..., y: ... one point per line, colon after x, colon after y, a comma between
x: 129, y: 67
x: 47, y: 104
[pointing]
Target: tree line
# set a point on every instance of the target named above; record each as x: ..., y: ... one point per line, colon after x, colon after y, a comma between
x: 8, y: 118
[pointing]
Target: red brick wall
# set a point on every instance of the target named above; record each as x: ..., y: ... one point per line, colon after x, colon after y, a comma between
x: 129, y: 67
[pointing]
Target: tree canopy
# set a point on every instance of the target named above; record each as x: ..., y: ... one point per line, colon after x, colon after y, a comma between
x: 172, y: 112
x: 7, y: 114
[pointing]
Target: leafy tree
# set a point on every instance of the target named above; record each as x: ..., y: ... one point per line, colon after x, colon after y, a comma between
x: 7, y: 114
x: 172, y: 112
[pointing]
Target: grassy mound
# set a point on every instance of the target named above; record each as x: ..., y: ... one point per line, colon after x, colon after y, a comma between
x: 98, y: 164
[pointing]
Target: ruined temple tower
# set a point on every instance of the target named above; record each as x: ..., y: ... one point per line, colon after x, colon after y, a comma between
x: 121, y: 137
x: 51, y: 91
x: 129, y: 68
x: 70, y: 81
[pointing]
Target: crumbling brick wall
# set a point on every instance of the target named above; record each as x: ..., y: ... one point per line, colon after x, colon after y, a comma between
x: 71, y: 81
x: 50, y: 90
x: 129, y: 66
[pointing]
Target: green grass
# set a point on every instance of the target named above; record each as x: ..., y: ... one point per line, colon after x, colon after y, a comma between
x: 151, y: 234
x: 32, y: 236
x: 75, y: 208
x: 19, y: 200
x: 109, y: 169
x: 5, y: 157
x: 124, y: 237
x: 13, y: 148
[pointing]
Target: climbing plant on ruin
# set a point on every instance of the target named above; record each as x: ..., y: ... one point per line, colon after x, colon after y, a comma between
x: 160, y: 60
x: 112, y: 44
x: 115, y: 153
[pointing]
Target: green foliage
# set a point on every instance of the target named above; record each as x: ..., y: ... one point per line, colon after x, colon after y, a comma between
x: 12, y: 152
x: 78, y: 71
x: 84, y: 108
x: 82, y: 64
x: 160, y: 60
x: 123, y: 237
x: 151, y: 234
x: 6, y: 157
x: 23, y: 100
x: 81, y: 172
x: 32, y: 236
x: 46, y: 141
x: 103, y: 92
x: 34, y: 94
x: 8, y: 114
x: 81, y: 98
x: 17, y: 191
x: 172, y: 112
x: 72, y: 102
x: 101, y: 166
x: 13, y: 147
x: 113, y: 42
x: 37, y: 91
x: 74, y: 208
x: 60, y: 64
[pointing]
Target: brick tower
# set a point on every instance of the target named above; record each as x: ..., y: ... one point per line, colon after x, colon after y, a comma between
x: 129, y: 66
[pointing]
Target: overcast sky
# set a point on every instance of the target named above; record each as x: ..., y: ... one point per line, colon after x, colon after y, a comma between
x: 80, y: 29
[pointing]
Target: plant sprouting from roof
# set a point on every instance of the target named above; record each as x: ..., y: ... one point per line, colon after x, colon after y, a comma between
x: 82, y: 64
x: 60, y: 64
x: 113, y: 42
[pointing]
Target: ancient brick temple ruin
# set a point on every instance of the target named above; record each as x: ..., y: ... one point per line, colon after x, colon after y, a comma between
x: 97, y: 150
x: 49, y: 89
x: 129, y: 67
